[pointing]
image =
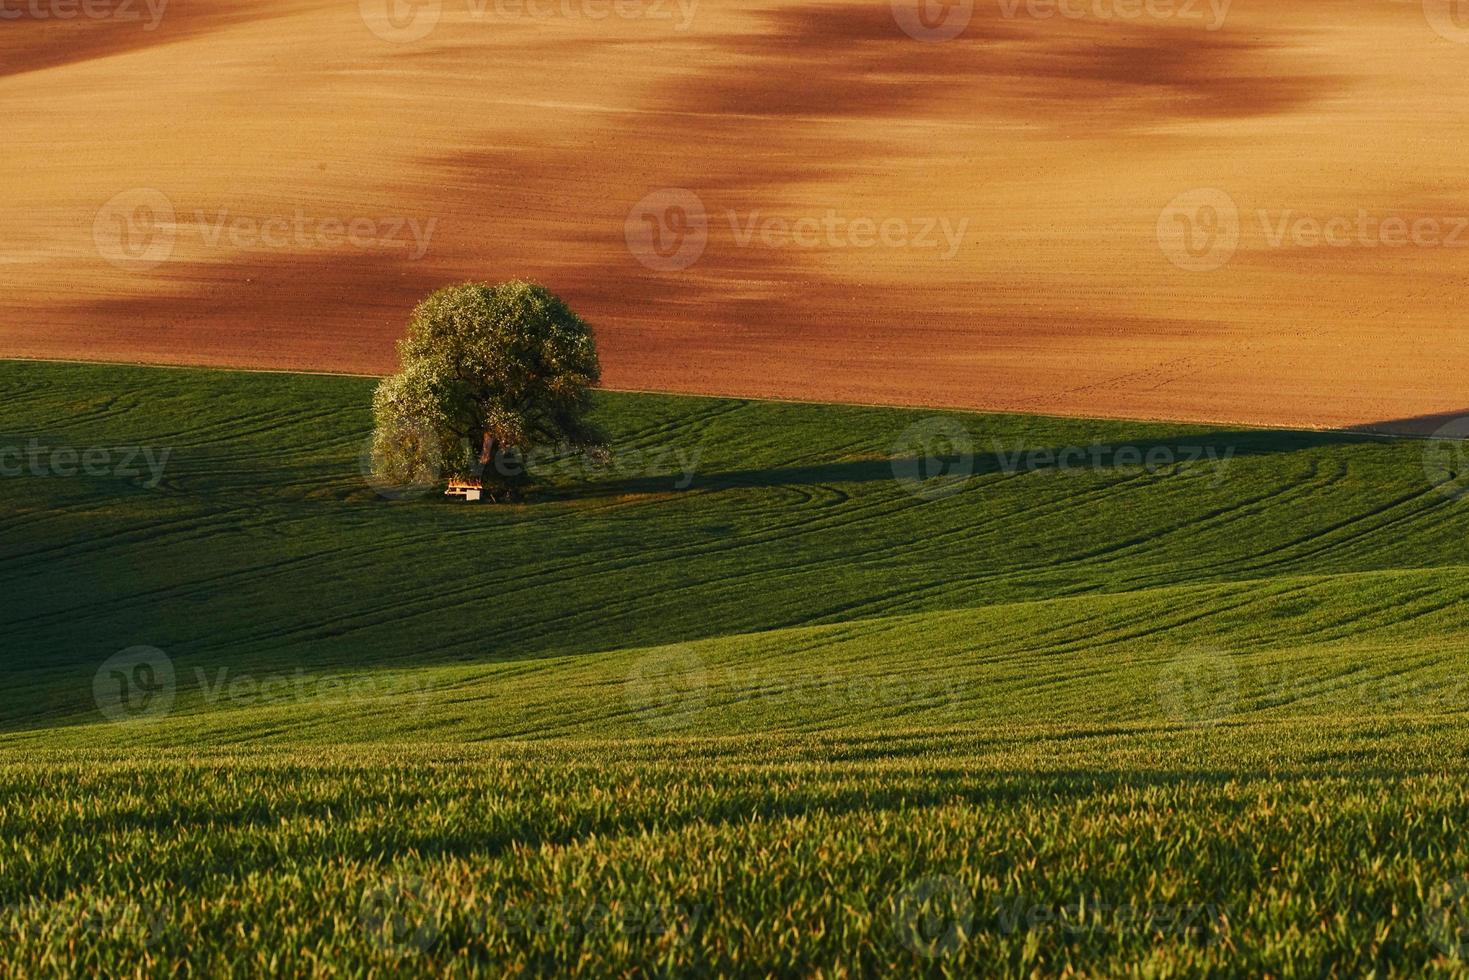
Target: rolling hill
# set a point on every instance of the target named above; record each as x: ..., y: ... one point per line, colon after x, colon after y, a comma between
x: 951, y: 691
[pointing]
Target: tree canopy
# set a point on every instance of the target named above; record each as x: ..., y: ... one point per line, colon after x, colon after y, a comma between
x: 488, y: 373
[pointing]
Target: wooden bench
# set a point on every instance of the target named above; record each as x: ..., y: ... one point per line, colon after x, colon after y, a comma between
x: 469, y: 490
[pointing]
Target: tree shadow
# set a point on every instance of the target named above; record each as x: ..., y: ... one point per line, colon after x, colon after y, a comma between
x: 1446, y: 424
x: 987, y: 457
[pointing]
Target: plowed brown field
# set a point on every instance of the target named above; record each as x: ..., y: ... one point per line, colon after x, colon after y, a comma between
x: 1247, y: 212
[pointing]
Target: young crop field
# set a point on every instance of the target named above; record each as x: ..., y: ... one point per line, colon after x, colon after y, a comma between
x: 783, y: 690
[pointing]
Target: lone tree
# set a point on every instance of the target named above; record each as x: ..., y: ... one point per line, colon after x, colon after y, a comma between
x: 487, y: 374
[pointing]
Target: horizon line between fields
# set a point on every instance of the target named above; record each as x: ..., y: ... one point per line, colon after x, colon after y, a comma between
x: 1222, y: 423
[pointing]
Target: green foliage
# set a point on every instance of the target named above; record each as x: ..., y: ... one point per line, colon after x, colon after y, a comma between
x: 415, y: 442
x: 1264, y: 849
x: 488, y: 374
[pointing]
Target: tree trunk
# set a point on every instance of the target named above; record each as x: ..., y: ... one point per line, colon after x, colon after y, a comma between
x: 499, y: 472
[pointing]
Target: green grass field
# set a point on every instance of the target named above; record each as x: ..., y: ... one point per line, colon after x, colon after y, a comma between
x: 1111, y: 698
